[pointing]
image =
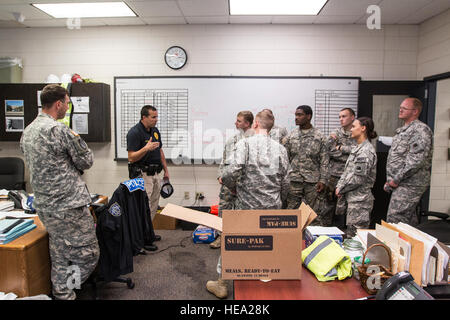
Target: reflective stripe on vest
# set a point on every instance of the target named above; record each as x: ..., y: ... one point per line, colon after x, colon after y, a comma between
x: 316, y: 251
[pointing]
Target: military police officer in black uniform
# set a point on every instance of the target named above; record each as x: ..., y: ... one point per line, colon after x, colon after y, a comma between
x: 146, y: 157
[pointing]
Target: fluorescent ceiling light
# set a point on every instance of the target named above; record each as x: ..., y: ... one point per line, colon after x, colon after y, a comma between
x: 276, y: 7
x: 86, y: 10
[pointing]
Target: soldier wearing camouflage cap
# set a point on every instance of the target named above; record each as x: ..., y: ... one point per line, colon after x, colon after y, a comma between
x: 408, y: 164
x: 308, y: 154
x: 359, y: 176
x: 56, y: 158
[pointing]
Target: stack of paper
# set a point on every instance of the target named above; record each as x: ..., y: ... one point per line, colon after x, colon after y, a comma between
x: 11, y: 229
x: 414, y: 251
x: 6, y: 205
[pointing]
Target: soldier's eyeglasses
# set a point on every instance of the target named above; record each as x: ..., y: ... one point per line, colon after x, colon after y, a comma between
x: 403, y: 108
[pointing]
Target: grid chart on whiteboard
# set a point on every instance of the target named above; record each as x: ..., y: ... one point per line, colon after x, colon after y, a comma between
x: 327, y: 106
x: 172, y: 106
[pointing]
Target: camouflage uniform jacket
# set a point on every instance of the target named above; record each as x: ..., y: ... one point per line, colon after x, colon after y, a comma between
x: 229, y: 150
x: 278, y: 133
x: 259, y: 173
x: 338, y: 158
x: 308, y: 155
x: 55, y: 156
x: 409, y: 159
x: 359, y: 173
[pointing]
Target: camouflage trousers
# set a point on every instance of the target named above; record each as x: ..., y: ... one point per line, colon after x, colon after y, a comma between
x: 358, y: 216
x: 403, y: 204
x: 306, y: 192
x: 337, y: 206
x: 74, y: 250
x: 227, y: 199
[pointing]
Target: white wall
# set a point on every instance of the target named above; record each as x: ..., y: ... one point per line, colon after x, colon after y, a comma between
x: 101, y: 53
x: 434, y: 58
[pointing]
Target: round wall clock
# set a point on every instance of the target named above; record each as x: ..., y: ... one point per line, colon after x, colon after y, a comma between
x: 175, y: 57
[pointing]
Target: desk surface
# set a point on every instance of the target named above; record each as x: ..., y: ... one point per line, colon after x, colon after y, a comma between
x: 309, y: 288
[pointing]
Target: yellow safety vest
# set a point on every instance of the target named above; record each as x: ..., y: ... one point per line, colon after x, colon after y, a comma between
x: 327, y: 260
x: 66, y: 119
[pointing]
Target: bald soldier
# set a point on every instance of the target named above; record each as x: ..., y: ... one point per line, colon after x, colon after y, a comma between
x: 408, y: 164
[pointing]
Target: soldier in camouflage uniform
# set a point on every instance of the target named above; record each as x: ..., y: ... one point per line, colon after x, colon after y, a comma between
x: 56, y: 157
x: 260, y: 175
x: 277, y: 133
x: 340, y: 144
x: 408, y: 164
x: 307, y: 150
x: 244, y: 121
x: 359, y: 176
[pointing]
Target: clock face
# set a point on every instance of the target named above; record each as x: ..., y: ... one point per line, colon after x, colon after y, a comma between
x: 175, y: 57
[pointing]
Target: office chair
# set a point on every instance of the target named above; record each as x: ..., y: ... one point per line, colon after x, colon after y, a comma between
x: 438, y: 228
x: 12, y: 173
x: 95, y: 278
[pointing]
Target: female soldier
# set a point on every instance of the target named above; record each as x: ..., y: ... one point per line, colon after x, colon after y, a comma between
x: 359, y: 176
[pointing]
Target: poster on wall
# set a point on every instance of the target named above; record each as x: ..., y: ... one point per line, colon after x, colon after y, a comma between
x: 14, y: 107
x: 14, y: 124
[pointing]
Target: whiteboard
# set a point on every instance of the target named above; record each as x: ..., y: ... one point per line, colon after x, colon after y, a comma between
x: 196, y: 115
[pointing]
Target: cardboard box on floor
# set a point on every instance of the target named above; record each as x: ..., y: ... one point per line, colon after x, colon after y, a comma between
x: 256, y: 244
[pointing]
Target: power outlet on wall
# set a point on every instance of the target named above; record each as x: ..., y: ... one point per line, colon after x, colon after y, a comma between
x: 187, y: 196
x: 199, y: 196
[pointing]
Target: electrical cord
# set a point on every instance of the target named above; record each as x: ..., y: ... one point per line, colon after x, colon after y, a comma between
x: 181, y: 245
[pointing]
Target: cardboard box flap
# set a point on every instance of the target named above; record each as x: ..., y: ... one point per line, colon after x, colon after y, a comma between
x: 194, y: 216
x: 308, y: 215
x: 239, y: 221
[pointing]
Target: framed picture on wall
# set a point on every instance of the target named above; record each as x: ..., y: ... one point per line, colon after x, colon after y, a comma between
x: 14, y: 124
x: 14, y: 107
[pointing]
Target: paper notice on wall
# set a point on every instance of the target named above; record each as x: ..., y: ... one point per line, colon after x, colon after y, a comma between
x: 80, y: 104
x: 39, y: 98
x: 80, y: 123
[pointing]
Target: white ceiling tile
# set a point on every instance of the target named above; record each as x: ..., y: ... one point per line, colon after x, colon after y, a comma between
x: 347, y: 7
x: 217, y: 12
x: 293, y: 19
x: 122, y: 21
x: 164, y: 20
x: 156, y: 8
x: 46, y: 23
x: 208, y: 20
x: 204, y: 7
x: 337, y: 19
x: 250, y: 19
x: 434, y: 8
x: 11, y: 24
x: 393, y: 11
x: 28, y: 11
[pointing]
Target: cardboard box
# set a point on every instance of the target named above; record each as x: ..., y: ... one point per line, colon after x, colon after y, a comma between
x: 162, y: 222
x: 256, y: 244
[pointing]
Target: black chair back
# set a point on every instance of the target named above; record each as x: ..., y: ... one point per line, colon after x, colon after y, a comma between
x: 12, y: 173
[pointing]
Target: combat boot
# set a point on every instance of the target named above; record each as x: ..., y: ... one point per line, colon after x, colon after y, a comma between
x: 216, y: 243
x: 218, y: 288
